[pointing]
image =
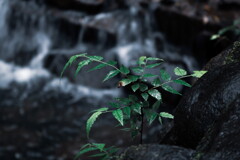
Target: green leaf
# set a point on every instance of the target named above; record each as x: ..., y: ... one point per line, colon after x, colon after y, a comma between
x: 143, y: 87
x: 198, y: 74
x: 137, y: 69
x: 98, y: 67
x: 124, y: 101
x: 154, y: 59
x: 99, y: 146
x: 150, y: 115
x: 164, y: 75
x: 156, y: 82
x: 166, y: 115
x: 85, y: 151
x: 149, y: 75
x: 137, y: 107
x: 111, y: 74
x: 152, y: 65
x: 180, y: 72
x: 118, y: 114
x: 133, y: 78
x: 81, y: 64
x: 155, y: 93
x: 102, y: 65
x: 91, y: 121
x: 145, y: 96
x: 132, y: 98
x: 182, y: 82
x: 125, y: 82
x: 70, y: 61
x: 124, y: 70
x: 215, y: 36
x: 85, y: 145
x: 101, y: 109
x: 170, y: 89
x: 114, y: 105
x: 98, y: 155
x: 156, y: 105
x: 160, y: 119
x: 95, y: 58
x: 141, y: 60
x: 135, y: 87
x: 127, y: 111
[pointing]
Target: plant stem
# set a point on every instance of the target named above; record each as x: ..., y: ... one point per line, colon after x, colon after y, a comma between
x: 142, y: 124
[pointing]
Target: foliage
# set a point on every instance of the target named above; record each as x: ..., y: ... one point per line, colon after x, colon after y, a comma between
x: 132, y: 110
x: 235, y: 28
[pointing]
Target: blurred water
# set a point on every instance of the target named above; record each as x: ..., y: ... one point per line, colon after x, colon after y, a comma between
x: 49, y: 114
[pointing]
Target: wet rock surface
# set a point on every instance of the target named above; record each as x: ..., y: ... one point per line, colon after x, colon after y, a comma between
x: 204, y: 103
x: 222, y: 139
x: 156, y: 152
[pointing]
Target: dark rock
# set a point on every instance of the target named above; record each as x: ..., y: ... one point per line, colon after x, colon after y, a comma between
x: 203, y: 104
x: 89, y: 6
x: 228, y: 56
x: 222, y: 141
x: 156, y: 152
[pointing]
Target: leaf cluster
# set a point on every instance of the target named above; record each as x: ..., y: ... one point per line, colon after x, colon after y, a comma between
x: 132, y: 110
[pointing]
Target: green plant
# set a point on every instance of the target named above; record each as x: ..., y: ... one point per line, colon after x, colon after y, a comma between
x: 132, y: 110
x: 235, y: 28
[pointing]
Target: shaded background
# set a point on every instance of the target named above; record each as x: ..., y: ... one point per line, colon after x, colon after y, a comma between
x: 42, y: 118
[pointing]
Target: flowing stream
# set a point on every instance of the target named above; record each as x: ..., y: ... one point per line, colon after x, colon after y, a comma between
x: 43, y: 116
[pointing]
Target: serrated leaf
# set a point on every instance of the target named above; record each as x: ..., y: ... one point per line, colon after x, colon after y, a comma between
x: 135, y: 87
x: 85, y: 151
x: 118, y: 115
x: 166, y: 115
x: 155, y: 93
x: 124, y: 70
x: 127, y: 111
x: 164, y: 75
x: 95, y: 58
x: 149, y: 75
x: 170, y: 89
x: 141, y: 60
x: 156, y: 82
x: 156, y: 105
x: 91, y: 121
x: 111, y: 74
x: 98, y: 155
x: 182, y: 82
x: 152, y: 65
x: 137, y: 69
x: 137, y: 108
x: 180, y: 72
x: 145, y: 96
x: 198, y: 74
x: 154, y: 59
x: 150, y: 116
x: 70, y: 61
x: 143, y: 87
x: 80, y: 65
x: 99, y: 146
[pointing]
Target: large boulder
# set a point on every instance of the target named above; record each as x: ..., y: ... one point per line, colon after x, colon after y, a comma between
x: 203, y: 104
x: 223, y: 141
x: 156, y: 152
